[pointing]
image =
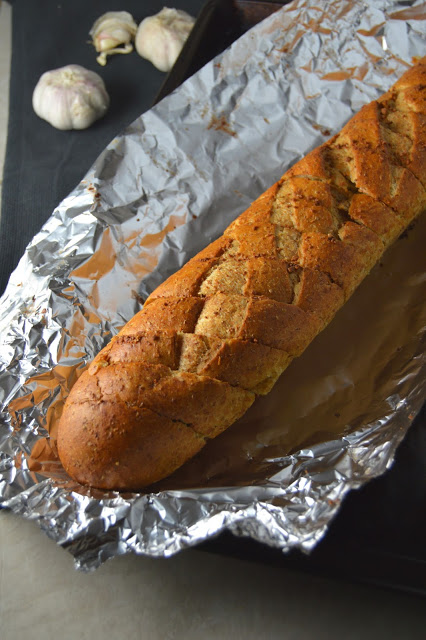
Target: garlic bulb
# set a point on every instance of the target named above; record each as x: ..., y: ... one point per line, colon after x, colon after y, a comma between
x: 112, y: 30
x: 70, y: 97
x: 160, y: 38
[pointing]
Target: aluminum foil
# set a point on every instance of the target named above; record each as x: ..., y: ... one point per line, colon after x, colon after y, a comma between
x: 157, y: 195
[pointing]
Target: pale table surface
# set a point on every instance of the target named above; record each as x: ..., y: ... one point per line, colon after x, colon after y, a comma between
x: 194, y: 595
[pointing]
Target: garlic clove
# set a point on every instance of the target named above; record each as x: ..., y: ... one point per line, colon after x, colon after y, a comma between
x: 113, y: 33
x: 70, y: 97
x: 160, y: 38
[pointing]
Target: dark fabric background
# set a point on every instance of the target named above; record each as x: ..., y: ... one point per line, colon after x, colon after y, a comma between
x: 43, y: 165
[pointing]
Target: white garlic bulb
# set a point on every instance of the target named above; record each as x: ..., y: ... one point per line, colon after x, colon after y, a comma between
x: 160, y: 38
x: 112, y: 30
x: 70, y: 97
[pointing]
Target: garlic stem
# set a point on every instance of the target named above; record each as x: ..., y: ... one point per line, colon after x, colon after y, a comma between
x: 102, y: 57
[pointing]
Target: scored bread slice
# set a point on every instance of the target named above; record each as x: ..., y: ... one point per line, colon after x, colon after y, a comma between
x: 222, y: 330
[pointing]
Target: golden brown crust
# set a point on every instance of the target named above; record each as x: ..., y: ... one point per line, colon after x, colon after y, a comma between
x: 112, y: 445
x: 222, y: 329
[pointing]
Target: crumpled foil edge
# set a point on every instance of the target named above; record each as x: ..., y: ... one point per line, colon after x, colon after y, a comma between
x: 292, y: 509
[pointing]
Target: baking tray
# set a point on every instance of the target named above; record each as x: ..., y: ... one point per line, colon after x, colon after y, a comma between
x: 219, y: 24
x: 378, y: 536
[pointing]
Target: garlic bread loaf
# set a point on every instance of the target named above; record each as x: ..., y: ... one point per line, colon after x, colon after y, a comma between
x: 220, y: 331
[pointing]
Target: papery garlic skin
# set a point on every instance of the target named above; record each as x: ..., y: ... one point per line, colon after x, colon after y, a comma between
x: 110, y: 32
x: 70, y: 97
x: 160, y: 38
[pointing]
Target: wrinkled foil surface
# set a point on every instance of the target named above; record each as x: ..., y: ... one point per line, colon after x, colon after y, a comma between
x: 157, y: 195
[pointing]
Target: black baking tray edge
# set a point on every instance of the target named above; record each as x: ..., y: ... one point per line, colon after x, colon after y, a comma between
x: 378, y: 536
x: 219, y: 24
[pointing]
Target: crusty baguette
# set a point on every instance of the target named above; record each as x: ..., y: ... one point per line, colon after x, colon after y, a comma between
x: 223, y: 329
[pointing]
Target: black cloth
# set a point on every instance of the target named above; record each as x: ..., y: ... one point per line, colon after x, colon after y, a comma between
x: 42, y: 164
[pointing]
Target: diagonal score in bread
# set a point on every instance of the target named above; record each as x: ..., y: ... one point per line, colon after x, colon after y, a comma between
x: 222, y: 330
